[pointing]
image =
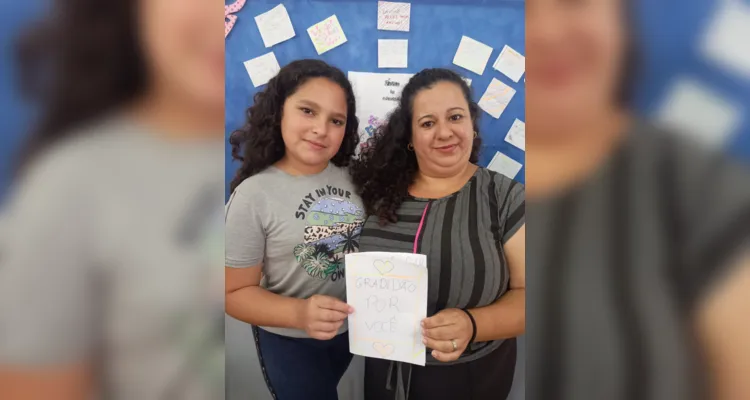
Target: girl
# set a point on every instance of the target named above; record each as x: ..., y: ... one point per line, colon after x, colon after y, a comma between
x: 120, y: 184
x: 292, y: 216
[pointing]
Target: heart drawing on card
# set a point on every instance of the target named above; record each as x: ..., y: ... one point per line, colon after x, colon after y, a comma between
x: 384, y: 349
x: 383, y: 267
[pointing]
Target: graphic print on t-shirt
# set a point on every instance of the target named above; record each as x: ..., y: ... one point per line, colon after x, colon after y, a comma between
x: 333, y: 226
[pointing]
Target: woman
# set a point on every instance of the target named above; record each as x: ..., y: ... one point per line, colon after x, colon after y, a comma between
x: 292, y: 216
x: 637, y: 235
x: 424, y: 194
x: 105, y: 281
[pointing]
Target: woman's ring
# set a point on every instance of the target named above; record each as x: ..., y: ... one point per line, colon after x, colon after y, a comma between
x: 453, y: 342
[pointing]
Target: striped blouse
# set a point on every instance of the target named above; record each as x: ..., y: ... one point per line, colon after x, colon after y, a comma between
x: 620, y: 263
x: 462, y: 236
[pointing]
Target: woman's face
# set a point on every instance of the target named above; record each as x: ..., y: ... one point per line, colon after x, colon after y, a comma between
x: 313, y: 122
x: 575, y: 50
x: 184, y: 48
x: 442, y: 130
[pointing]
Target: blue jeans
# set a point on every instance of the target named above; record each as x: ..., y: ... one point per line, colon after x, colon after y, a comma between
x: 302, y: 369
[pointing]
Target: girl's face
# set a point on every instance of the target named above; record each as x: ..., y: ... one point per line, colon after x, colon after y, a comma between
x: 442, y: 129
x: 576, y: 50
x: 313, y: 122
x: 184, y: 49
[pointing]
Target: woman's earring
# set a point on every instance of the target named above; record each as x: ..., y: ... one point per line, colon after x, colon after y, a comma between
x: 475, y: 134
x: 410, y: 147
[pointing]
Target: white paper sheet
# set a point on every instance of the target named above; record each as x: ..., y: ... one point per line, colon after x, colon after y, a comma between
x: 694, y: 110
x: 393, y: 16
x: 496, y: 98
x: 377, y: 95
x: 511, y: 63
x: 389, y: 294
x: 327, y: 34
x: 393, y: 53
x: 517, y: 134
x: 725, y: 40
x: 472, y: 55
x: 275, y: 26
x: 504, y: 165
x: 262, y: 69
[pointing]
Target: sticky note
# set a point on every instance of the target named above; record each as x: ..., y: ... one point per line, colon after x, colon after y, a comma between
x: 327, y: 34
x: 696, y: 111
x: 725, y: 41
x: 504, y: 165
x: 393, y: 53
x: 496, y: 98
x: 394, y: 16
x: 511, y: 63
x: 517, y: 134
x: 275, y: 26
x: 388, y: 292
x: 262, y: 69
x: 472, y: 55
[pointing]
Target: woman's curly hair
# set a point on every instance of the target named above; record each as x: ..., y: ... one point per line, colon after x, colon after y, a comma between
x: 386, y: 167
x: 260, y: 140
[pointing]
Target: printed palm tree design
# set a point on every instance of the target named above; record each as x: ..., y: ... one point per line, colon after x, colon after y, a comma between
x: 336, y: 263
x: 317, y: 266
x: 351, y: 241
x: 303, y: 252
x: 322, y: 248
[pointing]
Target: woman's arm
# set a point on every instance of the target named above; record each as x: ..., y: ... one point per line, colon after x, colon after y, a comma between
x: 723, y: 325
x: 506, y: 317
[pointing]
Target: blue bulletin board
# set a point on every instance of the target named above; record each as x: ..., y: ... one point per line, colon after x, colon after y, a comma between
x: 435, y: 32
x: 672, y: 37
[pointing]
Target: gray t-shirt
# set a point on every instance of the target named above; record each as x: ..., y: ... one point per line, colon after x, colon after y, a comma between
x: 299, y: 228
x: 111, y: 256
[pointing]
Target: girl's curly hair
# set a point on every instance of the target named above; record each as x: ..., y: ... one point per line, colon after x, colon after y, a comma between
x: 82, y: 60
x: 261, y: 134
x: 386, y: 168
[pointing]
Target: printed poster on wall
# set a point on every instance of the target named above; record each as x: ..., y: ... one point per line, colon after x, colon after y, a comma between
x: 377, y: 95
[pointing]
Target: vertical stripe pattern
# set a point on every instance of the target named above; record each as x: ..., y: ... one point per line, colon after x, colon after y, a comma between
x: 620, y: 262
x: 462, y: 236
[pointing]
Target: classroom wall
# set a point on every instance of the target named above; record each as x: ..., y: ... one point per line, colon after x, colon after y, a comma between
x: 695, y: 69
x: 435, y: 33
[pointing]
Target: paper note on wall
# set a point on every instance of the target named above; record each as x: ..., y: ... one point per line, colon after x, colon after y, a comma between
x: 517, y: 134
x: 472, y: 55
x: 394, y: 16
x: 275, y: 26
x: 725, y: 40
x: 393, y: 53
x: 377, y: 95
x: 389, y: 294
x: 504, y: 165
x: 511, y: 63
x: 496, y: 98
x: 699, y: 112
x: 327, y: 34
x: 262, y: 69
